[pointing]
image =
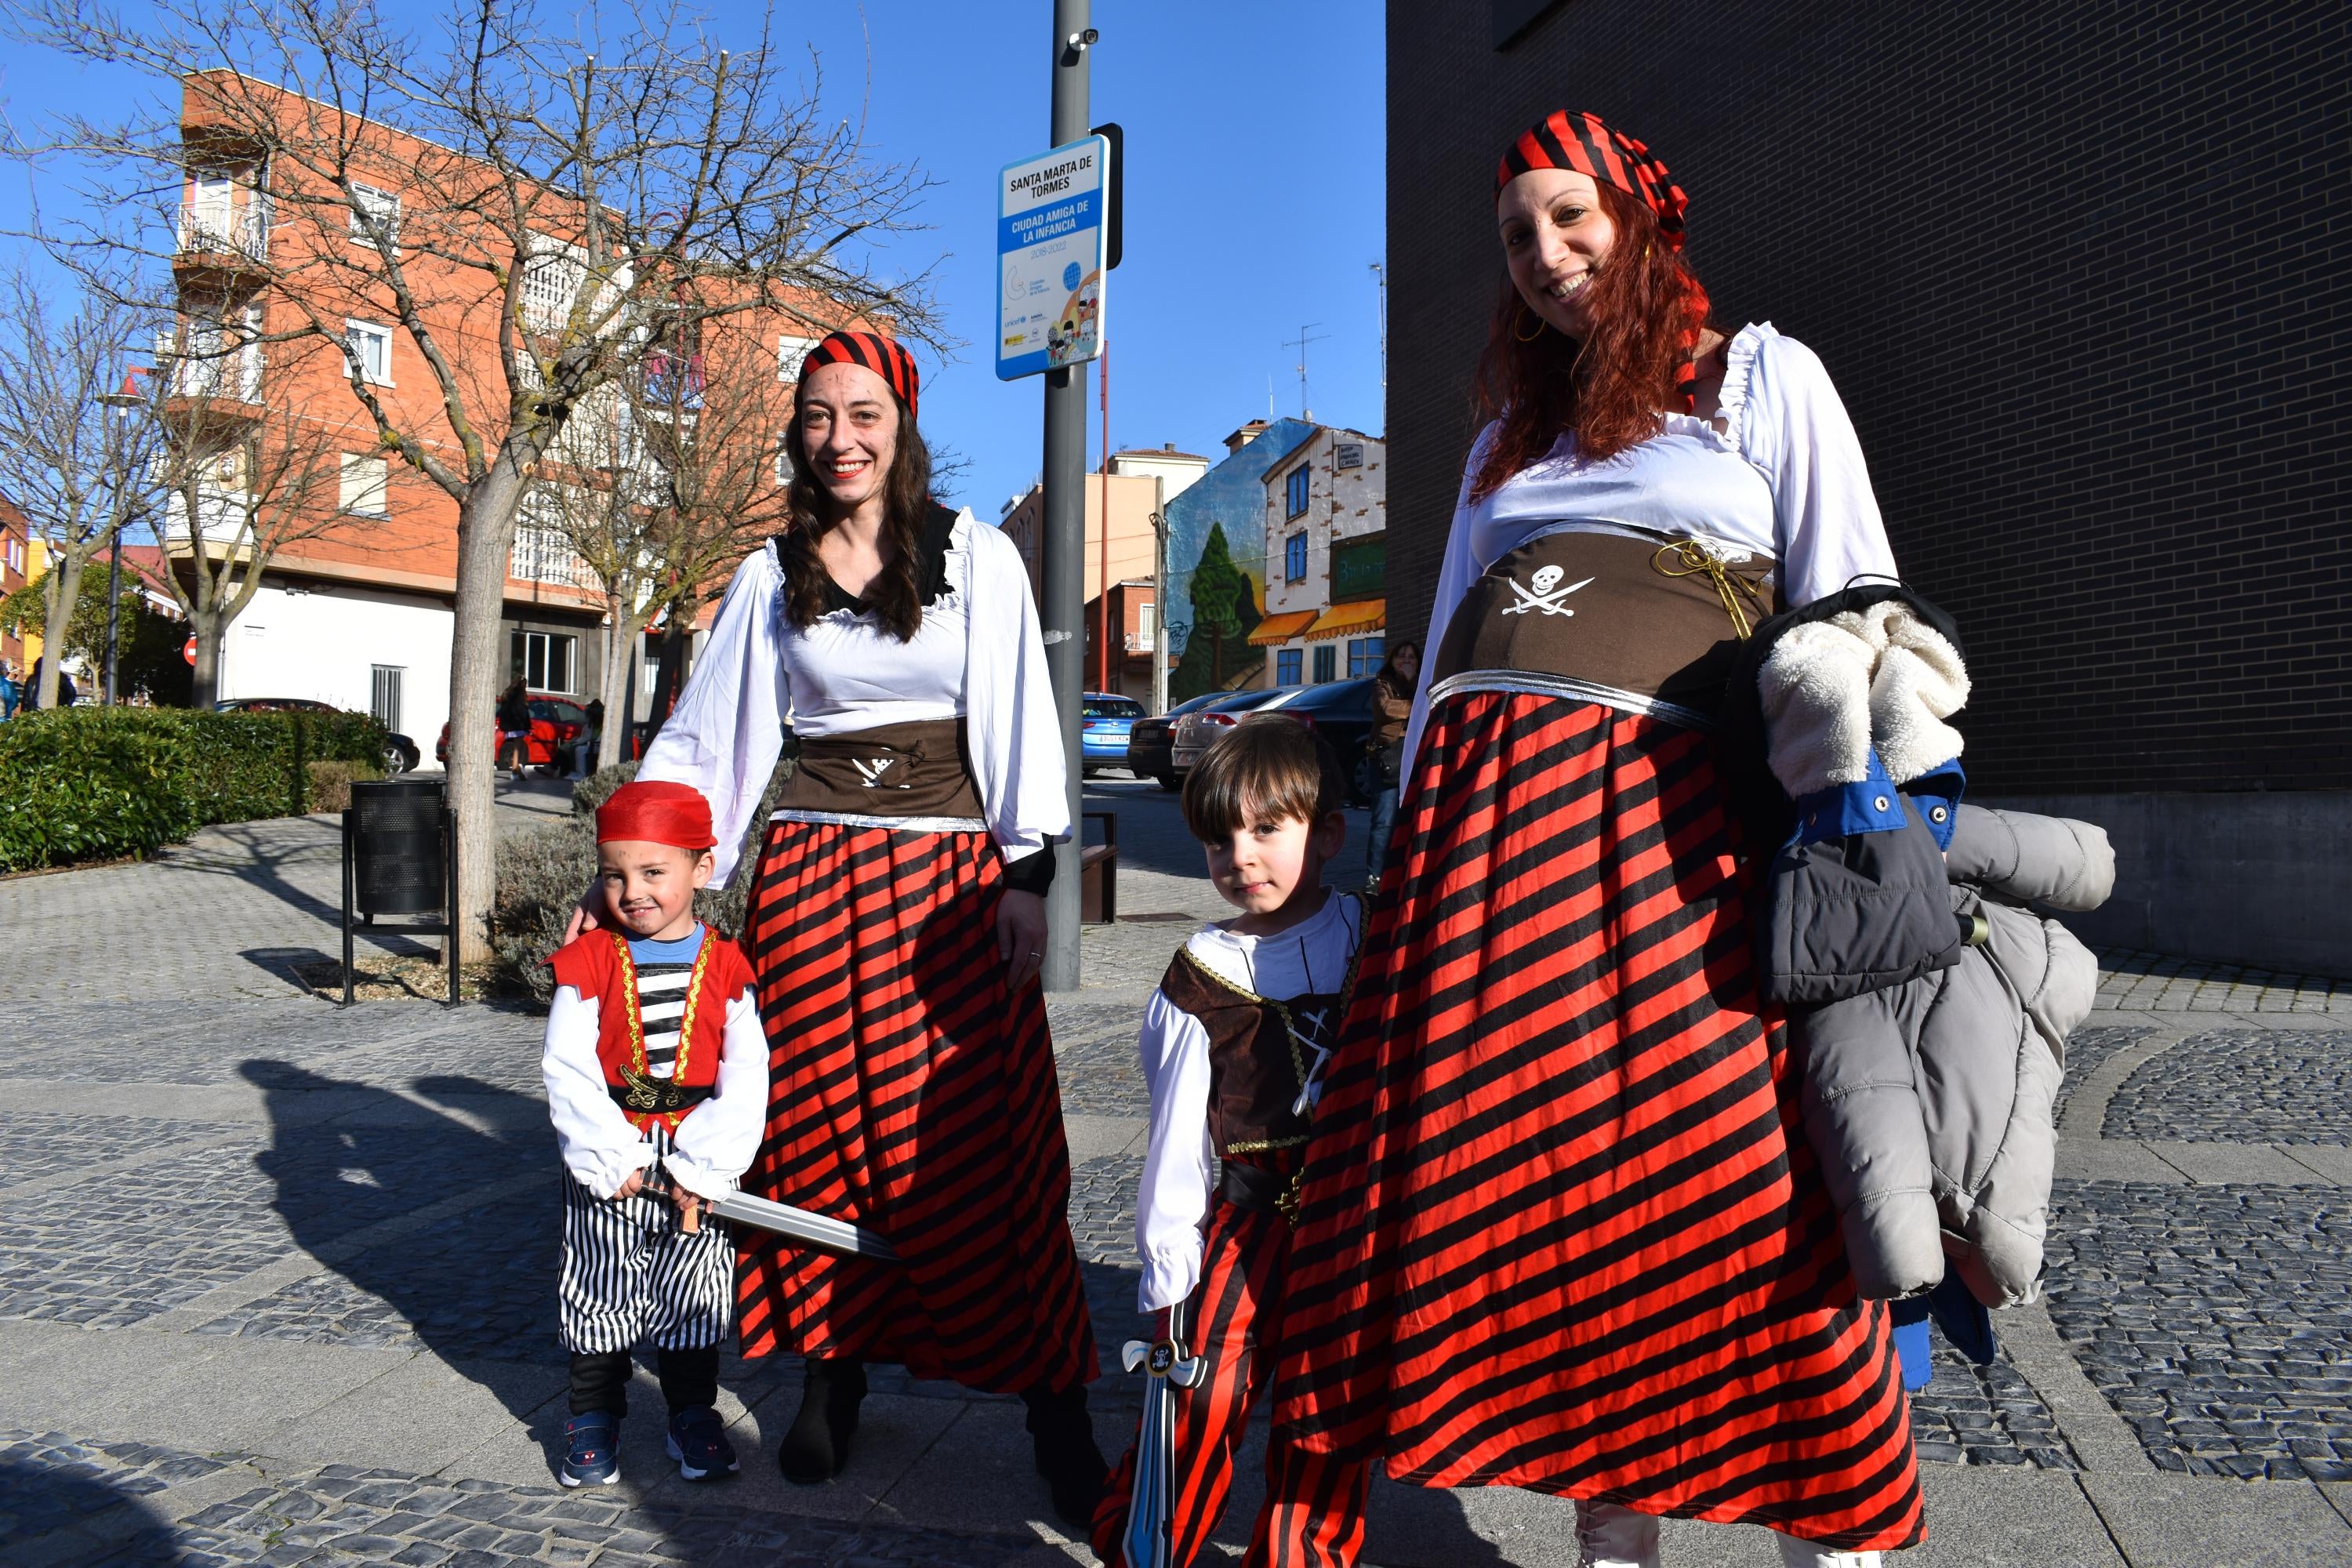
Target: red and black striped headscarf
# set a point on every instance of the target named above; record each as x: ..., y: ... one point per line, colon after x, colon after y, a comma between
x: 877, y: 353
x: 1579, y: 141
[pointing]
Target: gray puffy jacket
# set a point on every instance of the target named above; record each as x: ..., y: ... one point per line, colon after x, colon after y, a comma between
x: 1929, y: 1103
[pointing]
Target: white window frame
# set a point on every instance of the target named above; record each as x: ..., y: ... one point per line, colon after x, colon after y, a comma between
x: 790, y: 351
x: 544, y: 643
x: 374, y: 331
x: 353, y: 496
x: 376, y: 201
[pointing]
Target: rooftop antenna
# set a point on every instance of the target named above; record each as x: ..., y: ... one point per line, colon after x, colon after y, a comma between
x: 1381, y: 280
x: 1300, y: 342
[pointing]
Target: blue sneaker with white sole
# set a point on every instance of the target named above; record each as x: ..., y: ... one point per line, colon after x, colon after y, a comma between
x: 591, y: 1450
x: 697, y: 1441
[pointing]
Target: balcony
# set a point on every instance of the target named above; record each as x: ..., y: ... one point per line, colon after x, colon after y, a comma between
x: 212, y: 386
x: 221, y: 246
x: 1141, y: 642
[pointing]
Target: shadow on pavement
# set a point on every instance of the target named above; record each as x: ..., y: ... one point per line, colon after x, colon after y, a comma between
x: 475, y: 1288
x: 61, y: 1509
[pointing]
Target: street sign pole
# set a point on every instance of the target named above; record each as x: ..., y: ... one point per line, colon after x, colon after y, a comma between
x: 1064, y: 570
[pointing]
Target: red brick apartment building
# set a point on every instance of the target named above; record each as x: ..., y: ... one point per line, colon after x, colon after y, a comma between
x: 362, y: 614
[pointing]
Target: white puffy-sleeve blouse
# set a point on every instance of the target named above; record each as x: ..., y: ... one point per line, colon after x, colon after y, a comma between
x: 979, y: 656
x: 1778, y: 473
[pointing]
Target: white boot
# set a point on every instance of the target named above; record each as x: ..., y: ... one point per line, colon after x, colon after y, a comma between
x: 1610, y: 1535
x: 1798, y: 1554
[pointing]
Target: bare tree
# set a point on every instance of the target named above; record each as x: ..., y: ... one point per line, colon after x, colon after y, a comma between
x: 532, y: 207
x: 245, y: 472
x: 661, y: 487
x: 81, y: 469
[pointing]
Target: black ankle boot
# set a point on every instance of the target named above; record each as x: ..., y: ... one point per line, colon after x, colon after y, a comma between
x: 1066, y: 1456
x: 818, y: 1447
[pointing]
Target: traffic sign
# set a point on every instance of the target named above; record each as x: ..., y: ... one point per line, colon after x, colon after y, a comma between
x: 188, y: 651
x: 1050, y: 238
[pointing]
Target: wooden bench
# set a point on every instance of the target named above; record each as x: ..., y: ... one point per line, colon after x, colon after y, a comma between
x: 1098, y: 871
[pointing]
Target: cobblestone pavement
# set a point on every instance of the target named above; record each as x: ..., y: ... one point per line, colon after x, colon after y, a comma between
x: 275, y: 1279
x: 2241, y: 1086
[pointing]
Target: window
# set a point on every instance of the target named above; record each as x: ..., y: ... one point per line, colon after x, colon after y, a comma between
x: 551, y: 275
x: 790, y: 351
x: 374, y: 213
x: 1327, y: 663
x: 1293, y: 558
x: 1287, y: 666
x: 1294, y: 491
x: 1364, y: 656
x: 544, y: 555
x: 384, y: 694
x: 365, y: 485
x: 1147, y: 626
x: 544, y: 660
x: 370, y: 346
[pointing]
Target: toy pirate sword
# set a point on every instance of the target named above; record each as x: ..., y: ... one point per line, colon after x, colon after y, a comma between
x: 1151, y: 1523
x: 784, y: 1219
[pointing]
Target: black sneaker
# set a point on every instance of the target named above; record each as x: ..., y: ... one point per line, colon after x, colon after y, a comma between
x: 697, y: 1441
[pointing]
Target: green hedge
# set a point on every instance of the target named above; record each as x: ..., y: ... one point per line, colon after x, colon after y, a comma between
x: 93, y: 784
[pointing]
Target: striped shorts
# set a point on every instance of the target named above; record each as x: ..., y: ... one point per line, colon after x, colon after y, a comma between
x: 631, y: 1274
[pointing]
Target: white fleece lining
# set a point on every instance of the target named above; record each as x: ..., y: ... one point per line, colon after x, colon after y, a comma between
x: 1834, y: 689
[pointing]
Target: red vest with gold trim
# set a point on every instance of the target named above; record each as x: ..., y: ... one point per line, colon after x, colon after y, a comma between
x: 597, y: 963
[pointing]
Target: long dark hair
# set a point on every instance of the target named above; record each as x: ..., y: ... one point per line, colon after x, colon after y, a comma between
x: 1389, y: 675
x: 895, y: 595
x: 1647, y: 311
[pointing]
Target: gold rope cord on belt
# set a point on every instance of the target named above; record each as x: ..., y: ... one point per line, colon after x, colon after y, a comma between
x: 1693, y: 559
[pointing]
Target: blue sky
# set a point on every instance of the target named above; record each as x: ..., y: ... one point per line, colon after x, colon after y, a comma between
x: 1254, y: 199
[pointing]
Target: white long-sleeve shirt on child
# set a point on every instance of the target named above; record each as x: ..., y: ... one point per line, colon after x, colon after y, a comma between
x: 1311, y: 960
x: 716, y: 1141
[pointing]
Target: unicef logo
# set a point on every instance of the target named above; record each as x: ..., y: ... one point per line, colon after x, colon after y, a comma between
x: 1070, y: 276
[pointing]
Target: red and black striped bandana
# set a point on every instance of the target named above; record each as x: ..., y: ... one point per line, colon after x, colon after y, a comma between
x: 1578, y: 141
x: 877, y: 353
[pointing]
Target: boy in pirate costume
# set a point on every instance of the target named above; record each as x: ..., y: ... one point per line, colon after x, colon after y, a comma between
x: 1232, y: 1042
x: 658, y: 1079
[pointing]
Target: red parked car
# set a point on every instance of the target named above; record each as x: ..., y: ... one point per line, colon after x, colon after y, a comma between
x: 555, y: 723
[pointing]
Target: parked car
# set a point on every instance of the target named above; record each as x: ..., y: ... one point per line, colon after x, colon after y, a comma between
x: 1106, y: 720
x: 1342, y: 712
x: 556, y: 722
x: 400, y: 753
x: 1197, y: 728
x: 1150, y: 742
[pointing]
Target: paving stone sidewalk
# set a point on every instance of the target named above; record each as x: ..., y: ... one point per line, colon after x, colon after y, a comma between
x: 275, y: 1279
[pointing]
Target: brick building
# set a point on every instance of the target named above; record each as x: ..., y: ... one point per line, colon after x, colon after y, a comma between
x: 362, y: 614
x: 2081, y: 273
x: 18, y: 565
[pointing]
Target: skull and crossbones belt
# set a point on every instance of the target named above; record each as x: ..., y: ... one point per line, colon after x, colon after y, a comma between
x: 1641, y: 624
x: 911, y: 775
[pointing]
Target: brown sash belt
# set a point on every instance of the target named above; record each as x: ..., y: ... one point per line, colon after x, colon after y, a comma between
x: 912, y: 770
x: 1635, y: 622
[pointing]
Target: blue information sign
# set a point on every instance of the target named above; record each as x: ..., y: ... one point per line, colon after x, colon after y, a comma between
x: 1050, y: 236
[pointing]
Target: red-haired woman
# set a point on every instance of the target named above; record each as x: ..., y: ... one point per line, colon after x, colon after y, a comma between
x: 896, y: 924
x: 1559, y: 1227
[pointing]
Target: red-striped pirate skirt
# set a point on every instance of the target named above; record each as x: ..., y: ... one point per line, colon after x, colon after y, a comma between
x: 1559, y: 1227
x: 911, y: 1093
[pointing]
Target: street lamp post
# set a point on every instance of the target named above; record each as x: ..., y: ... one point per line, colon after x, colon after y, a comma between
x: 1062, y: 605
x: 120, y: 405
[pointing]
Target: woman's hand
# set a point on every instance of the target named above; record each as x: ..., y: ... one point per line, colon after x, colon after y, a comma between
x: 589, y: 914
x: 1020, y: 936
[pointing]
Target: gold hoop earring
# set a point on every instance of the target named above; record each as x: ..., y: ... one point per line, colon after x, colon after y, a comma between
x: 1541, y: 325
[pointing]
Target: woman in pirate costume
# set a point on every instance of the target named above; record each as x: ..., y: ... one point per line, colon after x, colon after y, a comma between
x: 895, y: 924
x: 1559, y: 1225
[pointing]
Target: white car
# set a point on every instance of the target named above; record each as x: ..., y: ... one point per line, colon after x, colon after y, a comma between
x: 1196, y: 729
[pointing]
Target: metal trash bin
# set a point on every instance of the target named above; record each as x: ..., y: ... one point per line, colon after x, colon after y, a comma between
x: 400, y: 858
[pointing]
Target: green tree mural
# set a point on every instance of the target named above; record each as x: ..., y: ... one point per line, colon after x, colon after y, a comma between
x: 1224, y: 613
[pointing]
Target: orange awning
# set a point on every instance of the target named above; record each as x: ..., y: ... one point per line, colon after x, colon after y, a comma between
x: 1346, y: 620
x: 1280, y: 629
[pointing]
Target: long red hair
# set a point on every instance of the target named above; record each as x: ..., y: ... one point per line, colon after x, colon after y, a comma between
x: 1648, y: 313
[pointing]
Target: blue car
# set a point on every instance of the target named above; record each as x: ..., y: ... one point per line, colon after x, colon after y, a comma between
x: 1102, y: 737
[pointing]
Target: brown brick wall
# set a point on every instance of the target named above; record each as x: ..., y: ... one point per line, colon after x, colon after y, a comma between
x: 2084, y: 275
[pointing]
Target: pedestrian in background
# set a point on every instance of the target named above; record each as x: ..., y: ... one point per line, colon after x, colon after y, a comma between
x: 8, y: 689
x: 1392, y: 694
x: 895, y: 924
x: 1556, y: 1229
x: 584, y: 751
x: 514, y: 727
